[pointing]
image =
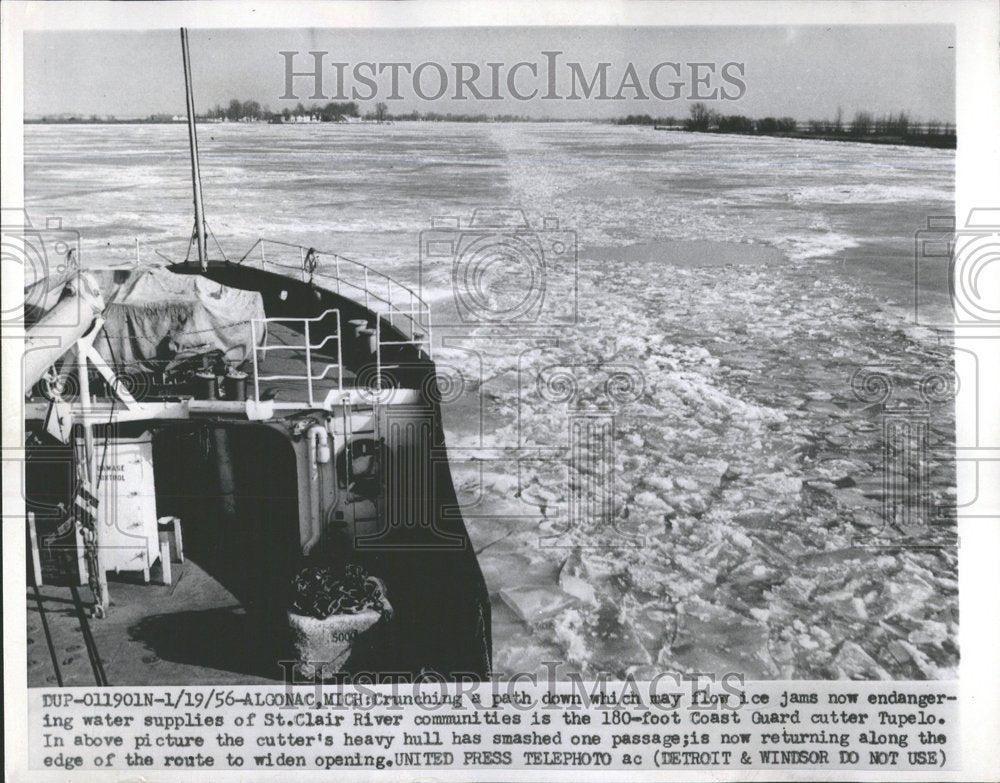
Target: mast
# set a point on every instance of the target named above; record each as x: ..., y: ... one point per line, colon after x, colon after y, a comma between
x: 199, y: 210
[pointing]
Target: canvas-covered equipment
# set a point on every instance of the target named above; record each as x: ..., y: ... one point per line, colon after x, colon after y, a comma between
x: 158, y: 320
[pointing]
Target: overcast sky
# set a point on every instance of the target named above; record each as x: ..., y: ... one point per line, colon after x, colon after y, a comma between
x: 803, y: 72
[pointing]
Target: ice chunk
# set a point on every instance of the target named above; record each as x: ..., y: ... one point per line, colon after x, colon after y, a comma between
x: 853, y: 662
x: 536, y: 604
x: 580, y: 589
x: 712, y: 638
x: 570, y: 634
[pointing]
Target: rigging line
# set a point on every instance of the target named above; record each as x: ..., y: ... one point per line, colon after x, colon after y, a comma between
x: 194, y: 231
x: 148, y: 246
x: 88, y: 640
x: 217, y: 243
x: 48, y: 636
x: 111, y: 416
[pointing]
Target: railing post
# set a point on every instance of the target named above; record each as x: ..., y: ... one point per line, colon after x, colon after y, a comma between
x: 309, y: 367
x: 367, y: 307
x: 256, y: 373
x: 378, y: 353
x: 338, y: 276
x: 263, y: 260
x: 340, y: 359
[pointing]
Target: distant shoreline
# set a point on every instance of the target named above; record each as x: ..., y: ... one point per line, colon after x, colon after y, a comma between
x: 934, y: 142
x: 915, y: 140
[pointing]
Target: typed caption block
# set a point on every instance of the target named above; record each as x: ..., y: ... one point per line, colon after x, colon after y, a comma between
x: 678, y: 723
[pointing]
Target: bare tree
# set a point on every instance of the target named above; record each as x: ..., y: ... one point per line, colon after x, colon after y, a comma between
x: 381, y: 111
x: 862, y: 124
x: 701, y: 117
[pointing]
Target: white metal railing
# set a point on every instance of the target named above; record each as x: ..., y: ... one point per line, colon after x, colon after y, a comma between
x: 351, y: 279
x: 418, y: 339
x: 306, y: 345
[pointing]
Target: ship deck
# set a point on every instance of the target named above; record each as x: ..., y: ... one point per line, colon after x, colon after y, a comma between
x: 198, y: 631
x: 193, y: 631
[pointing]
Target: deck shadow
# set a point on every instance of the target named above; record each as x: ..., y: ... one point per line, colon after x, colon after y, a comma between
x: 226, y: 639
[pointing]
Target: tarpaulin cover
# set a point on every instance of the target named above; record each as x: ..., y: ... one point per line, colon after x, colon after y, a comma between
x: 158, y: 319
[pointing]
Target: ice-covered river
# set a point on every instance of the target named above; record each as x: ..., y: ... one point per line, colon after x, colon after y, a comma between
x: 368, y: 190
x: 737, y: 283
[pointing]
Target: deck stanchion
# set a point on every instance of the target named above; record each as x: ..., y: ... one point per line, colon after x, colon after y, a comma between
x: 256, y: 373
x: 378, y: 353
x: 309, y: 366
x: 340, y: 359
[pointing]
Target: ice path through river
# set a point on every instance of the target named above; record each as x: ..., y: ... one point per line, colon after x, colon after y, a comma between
x: 744, y: 464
